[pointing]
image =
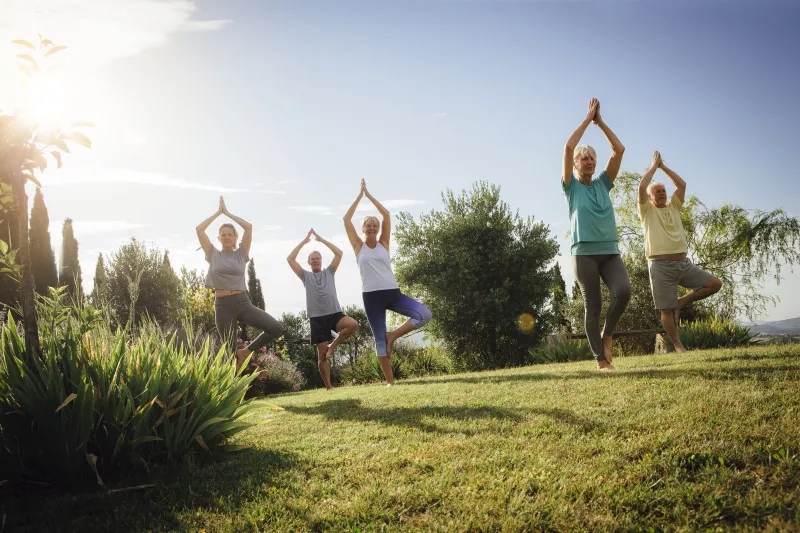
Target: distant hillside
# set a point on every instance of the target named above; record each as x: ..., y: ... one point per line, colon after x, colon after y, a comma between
x: 776, y: 327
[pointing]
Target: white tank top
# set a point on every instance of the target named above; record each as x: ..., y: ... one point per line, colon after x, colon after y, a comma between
x: 376, y: 269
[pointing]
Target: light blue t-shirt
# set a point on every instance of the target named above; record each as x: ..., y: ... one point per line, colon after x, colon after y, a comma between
x: 593, y: 227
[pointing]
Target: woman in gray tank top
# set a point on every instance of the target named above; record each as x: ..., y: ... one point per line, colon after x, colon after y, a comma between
x: 226, y: 270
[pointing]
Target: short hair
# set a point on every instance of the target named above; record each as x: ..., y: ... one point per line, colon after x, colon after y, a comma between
x: 582, y: 150
x: 314, y: 252
x: 652, y: 185
x: 370, y: 218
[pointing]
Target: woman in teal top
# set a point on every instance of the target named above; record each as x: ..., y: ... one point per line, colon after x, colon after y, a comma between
x: 595, y: 252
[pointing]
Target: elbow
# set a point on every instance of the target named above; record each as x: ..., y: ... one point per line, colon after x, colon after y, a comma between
x: 569, y: 147
x: 619, y: 149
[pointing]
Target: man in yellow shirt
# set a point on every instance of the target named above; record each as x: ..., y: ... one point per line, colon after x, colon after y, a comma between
x: 665, y: 247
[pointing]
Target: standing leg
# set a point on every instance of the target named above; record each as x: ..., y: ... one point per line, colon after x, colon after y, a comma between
x: 668, y: 321
x: 375, y: 308
x: 615, y: 276
x: 418, y: 314
x: 587, y: 274
x: 322, y: 364
x: 225, y: 319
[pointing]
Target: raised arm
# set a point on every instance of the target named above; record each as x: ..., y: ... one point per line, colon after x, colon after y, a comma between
x: 648, y: 177
x: 680, y: 185
x: 386, y: 222
x: 350, y: 229
x: 337, y: 252
x: 617, y: 149
x: 247, y: 237
x: 572, y: 143
x: 292, y: 257
x: 202, y: 236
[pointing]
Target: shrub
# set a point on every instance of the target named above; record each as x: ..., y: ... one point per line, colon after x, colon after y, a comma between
x: 562, y: 351
x: 99, y: 403
x: 366, y: 369
x: 713, y: 332
x: 417, y: 361
x: 276, y: 375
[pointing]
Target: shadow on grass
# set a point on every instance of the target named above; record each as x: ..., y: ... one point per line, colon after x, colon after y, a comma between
x: 424, y: 418
x: 223, y: 486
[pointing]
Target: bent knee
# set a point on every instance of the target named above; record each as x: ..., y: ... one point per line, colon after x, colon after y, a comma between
x: 425, y: 316
x: 715, y: 284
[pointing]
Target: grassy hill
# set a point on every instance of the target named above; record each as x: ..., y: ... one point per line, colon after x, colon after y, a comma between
x: 701, y: 441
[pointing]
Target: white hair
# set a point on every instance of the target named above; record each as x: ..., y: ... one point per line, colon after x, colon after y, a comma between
x: 582, y: 150
x: 652, y: 186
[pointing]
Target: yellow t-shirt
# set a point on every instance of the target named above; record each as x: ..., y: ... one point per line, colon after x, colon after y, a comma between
x: 663, y: 229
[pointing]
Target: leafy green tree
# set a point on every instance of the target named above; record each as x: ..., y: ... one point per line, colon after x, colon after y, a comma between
x: 24, y: 147
x: 479, y: 268
x: 140, y: 284
x: 70, y: 272
x: 560, y: 302
x: 43, y: 260
x: 198, y: 301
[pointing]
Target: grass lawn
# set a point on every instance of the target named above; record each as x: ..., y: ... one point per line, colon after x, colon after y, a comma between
x: 703, y: 441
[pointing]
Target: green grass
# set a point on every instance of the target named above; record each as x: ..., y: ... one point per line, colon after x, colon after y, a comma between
x: 709, y: 440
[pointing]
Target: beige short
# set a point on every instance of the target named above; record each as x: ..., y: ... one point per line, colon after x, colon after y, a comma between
x: 666, y: 275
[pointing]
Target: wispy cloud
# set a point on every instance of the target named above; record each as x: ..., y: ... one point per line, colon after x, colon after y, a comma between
x: 100, y: 31
x: 316, y: 209
x: 94, y: 227
x: 439, y: 116
x: 99, y: 175
x: 388, y: 204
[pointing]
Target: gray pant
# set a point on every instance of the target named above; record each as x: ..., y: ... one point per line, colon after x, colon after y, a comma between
x: 588, y: 270
x: 228, y: 310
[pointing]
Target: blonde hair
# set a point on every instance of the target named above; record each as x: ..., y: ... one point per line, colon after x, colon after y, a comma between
x: 582, y: 150
x: 369, y: 218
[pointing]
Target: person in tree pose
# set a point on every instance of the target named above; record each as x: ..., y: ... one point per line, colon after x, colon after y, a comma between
x: 226, y: 275
x: 665, y: 246
x: 379, y: 288
x: 593, y: 228
x: 322, y: 303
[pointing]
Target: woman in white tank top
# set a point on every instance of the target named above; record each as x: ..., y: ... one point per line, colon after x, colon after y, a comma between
x: 379, y: 288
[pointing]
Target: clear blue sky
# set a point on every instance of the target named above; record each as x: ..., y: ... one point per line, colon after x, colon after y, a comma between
x: 284, y: 105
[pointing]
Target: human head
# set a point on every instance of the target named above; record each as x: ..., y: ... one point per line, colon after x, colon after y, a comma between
x: 657, y: 193
x: 370, y: 226
x: 585, y: 160
x: 315, y: 261
x: 228, y: 236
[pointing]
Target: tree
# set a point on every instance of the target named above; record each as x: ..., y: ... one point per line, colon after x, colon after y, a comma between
x: 356, y: 345
x: 24, y: 146
x: 140, y: 284
x: 740, y: 246
x: 480, y: 268
x: 70, y: 271
x: 100, y: 292
x: 254, y: 286
x: 43, y: 260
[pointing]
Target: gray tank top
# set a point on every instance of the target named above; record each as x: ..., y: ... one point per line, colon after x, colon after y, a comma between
x: 226, y: 270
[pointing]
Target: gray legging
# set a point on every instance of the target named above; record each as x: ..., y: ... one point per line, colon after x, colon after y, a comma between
x: 588, y: 270
x: 228, y: 310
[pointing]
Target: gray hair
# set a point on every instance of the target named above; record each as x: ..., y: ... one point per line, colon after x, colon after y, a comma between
x: 582, y: 150
x: 652, y: 185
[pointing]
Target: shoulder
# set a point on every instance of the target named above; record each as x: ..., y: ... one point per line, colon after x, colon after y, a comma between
x: 604, y: 180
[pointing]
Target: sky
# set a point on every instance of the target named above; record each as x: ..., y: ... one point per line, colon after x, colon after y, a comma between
x: 282, y: 106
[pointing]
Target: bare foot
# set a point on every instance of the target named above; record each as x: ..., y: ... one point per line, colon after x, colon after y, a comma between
x: 679, y: 348
x: 607, y: 341
x: 390, y: 338
x: 331, y: 349
x: 241, y: 355
x: 604, y: 366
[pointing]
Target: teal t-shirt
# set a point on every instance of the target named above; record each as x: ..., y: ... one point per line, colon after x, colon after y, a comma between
x: 593, y: 227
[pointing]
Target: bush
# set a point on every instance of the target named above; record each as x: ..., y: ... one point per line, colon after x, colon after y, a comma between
x: 562, y: 351
x: 417, y: 361
x: 100, y: 403
x: 276, y: 375
x: 366, y: 369
x: 713, y: 332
